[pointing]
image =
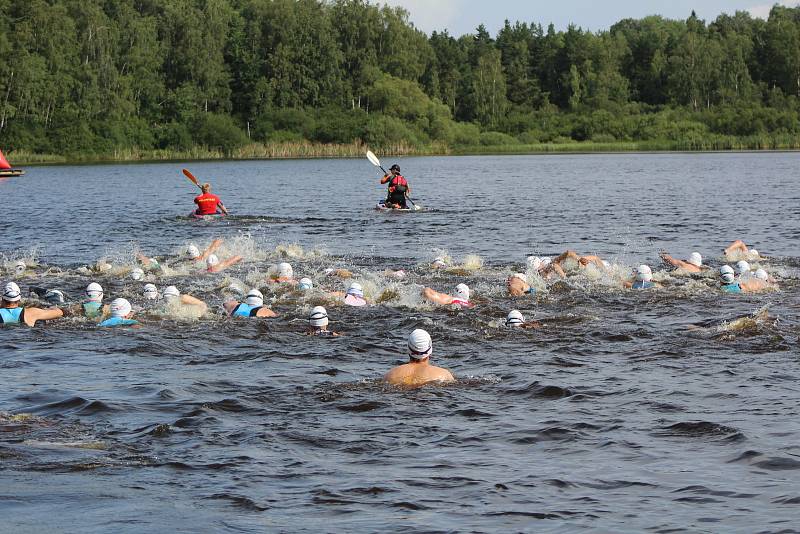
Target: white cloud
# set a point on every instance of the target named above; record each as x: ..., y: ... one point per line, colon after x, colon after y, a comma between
x: 430, y: 15
x: 762, y: 11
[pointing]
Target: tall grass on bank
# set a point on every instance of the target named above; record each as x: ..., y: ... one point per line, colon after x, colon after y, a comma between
x: 307, y: 150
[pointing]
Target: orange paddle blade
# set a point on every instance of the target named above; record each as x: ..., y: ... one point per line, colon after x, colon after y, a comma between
x: 191, y: 177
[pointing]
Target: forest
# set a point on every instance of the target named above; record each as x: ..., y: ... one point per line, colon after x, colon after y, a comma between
x: 136, y: 79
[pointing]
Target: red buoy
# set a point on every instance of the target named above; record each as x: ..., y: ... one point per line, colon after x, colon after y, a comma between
x: 4, y: 162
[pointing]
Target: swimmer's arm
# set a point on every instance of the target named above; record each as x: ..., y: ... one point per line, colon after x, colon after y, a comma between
x: 265, y: 312
x: 752, y: 286
x: 532, y: 325
x: 230, y: 306
x: 212, y: 248
x: 225, y: 264
x: 737, y: 245
x: 144, y: 260
x: 194, y: 301
x: 627, y: 284
x: 585, y: 260
x: 672, y: 261
x: 37, y: 314
x: 436, y: 297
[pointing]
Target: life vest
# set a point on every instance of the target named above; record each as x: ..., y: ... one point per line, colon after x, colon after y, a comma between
x: 118, y: 321
x: 206, y: 204
x: 245, y: 310
x: 640, y: 284
x: 12, y: 315
x: 398, y: 184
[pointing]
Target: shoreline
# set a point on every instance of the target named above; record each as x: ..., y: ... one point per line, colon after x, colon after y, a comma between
x: 309, y: 151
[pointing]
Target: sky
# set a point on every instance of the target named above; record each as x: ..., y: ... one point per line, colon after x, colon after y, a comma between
x: 463, y: 16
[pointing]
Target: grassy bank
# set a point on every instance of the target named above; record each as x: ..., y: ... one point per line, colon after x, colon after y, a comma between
x: 307, y: 150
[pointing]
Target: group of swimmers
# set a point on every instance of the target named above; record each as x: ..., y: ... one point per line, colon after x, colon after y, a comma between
x: 119, y: 312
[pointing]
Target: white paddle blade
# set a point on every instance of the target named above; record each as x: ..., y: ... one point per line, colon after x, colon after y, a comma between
x: 373, y: 158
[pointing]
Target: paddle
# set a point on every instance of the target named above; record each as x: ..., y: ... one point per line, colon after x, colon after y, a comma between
x: 375, y: 161
x: 191, y: 178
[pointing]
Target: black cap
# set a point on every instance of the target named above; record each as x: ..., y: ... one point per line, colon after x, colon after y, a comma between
x: 395, y: 167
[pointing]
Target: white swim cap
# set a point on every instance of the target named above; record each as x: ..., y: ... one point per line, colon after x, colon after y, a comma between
x: 546, y: 261
x: 725, y: 269
x: 728, y: 278
x: 11, y: 292
x: 150, y: 292
x: 212, y: 260
x: 305, y: 284
x: 254, y: 298
x: 695, y: 259
x: 462, y: 291
x: 420, y: 345
x: 192, y: 251
x: 19, y: 266
x: 644, y: 273
x: 754, y: 253
x: 439, y: 262
x: 329, y: 271
x: 534, y: 262
x: 520, y: 276
x: 515, y: 318
x: 54, y: 296
x: 399, y: 274
x: 605, y: 264
x: 318, y: 316
x: 285, y: 270
x: 355, y: 289
x: 94, y: 292
x: 137, y: 273
x: 761, y: 274
x: 742, y: 267
x: 120, y: 307
x: 171, y: 292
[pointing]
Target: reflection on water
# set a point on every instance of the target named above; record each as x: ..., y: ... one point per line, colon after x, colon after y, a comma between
x: 656, y: 410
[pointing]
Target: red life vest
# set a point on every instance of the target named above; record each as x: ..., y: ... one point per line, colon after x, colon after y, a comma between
x: 396, y: 181
x: 207, y: 204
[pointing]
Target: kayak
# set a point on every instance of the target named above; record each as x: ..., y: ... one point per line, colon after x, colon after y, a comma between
x: 381, y: 206
x: 6, y: 173
x: 210, y: 217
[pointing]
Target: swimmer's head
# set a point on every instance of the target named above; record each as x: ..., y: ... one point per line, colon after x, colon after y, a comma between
x: 54, y: 296
x: 137, y: 273
x: 171, y: 292
x: 193, y: 252
x: 254, y: 298
x: 150, y: 292
x: 94, y: 292
x: 546, y: 261
x: 120, y: 308
x: 355, y: 289
x: 212, y: 260
x: 11, y: 292
x: 462, y: 291
x: 318, y: 317
x: 515, y: 318
x: 305, y: 284
x: 644, y: 273
x: 19, y: 267
x: 695, y: 259
x: 762, y: 275
x: 420, y: 345
x: 329, y: 271
x: 438, y: 263
x: 753, y: 253
x: 534, y: 262
x: 521, y: 276
x: 285, y: 270
x: 399, y: 274
x: 726, y: 274
x: 742, y: 267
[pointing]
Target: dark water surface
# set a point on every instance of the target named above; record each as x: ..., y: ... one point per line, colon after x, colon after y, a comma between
x: 612, y: 417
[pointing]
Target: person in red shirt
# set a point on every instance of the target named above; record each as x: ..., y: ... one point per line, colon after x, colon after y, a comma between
x: 398, y: 188
x: 208, y: 204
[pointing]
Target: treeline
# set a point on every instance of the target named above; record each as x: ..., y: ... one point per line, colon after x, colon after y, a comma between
x: 98, y: 76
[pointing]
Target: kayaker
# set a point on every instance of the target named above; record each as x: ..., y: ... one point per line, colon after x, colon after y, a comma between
x: 12, y: 313
x: 208, y: 203
x: 398, y: 188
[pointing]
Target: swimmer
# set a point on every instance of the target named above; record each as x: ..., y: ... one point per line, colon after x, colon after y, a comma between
x: 214, y: 265
x: 339, y: 273
x: 137, y: 274
x: 92, y: 307
x: 762, y: 275
x: 283, y: 273
x: 418, y: 370
x: 518, y: 286
x: 318, y: 323
x: 729, y: 283
x: 693, y: 264
x: 253, y: 306
x: 738, y: 249
x: 355, y: 295
x: 460, y: 299
x: 305, y: 284
x: 438, y: 263
x: 150, y: 292
x: 642, y: 279
x: 121, y: 313
x: 12, y: 313
x: 743, y: 270
x: 515, y: 319
x: 19, y: 268
x: 173, y: 297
